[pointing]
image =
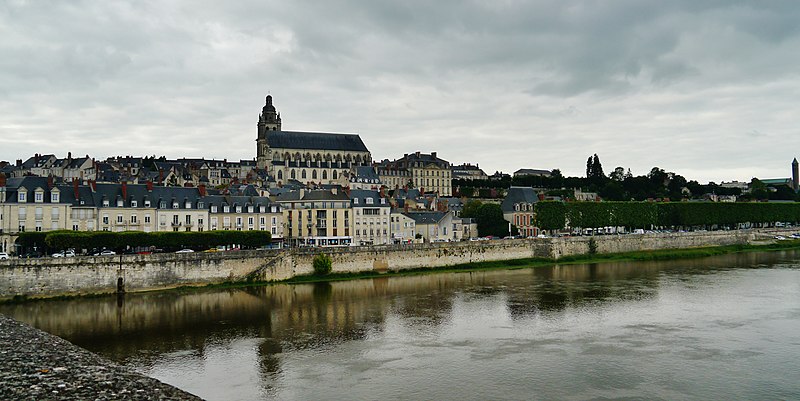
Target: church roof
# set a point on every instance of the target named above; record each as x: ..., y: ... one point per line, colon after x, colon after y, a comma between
x: 315, y: 141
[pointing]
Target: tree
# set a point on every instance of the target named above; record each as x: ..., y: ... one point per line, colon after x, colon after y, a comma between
x: 617, y: 175
x: 758, y: 190
x: 471, y: 209
x: 490, y: 221
x: 322, y: 264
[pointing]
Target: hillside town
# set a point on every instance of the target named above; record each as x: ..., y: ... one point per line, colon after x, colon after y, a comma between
x: 314, y: 189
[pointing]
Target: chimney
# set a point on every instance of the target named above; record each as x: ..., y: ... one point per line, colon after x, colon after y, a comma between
x: 149, y: 186
x: 383, y: 191
x: 202, y: 189
x: 417, y: 153
x: 124, y: 190
x: 19, y: 162
x: 50, y: 181
x: 433, y: 155
x: 2, y: 179
x: 160, y: 176
x: 75, y: 189
x: 93, y: 184
x: 69, y: 156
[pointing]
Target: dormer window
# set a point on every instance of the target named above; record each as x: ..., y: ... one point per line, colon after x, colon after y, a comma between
x: 262, y: 209
x: 213, y: 208
x: 175, y: 205
x: 105, y: 202
x: 238, y: 209
x: 38, y: 197
x: 54, y: 197
x: 383, y: 201
x: 370, y: 201
x: 200, y: 205
x: 22, y: 196
x: 226, y: 209
x: 188, y: 205
x: 249, y: 209
x: 355, y: 201
x: 120, y: 203
x: 134, y: 204
x: 163, y: 205
x: 146, y: 203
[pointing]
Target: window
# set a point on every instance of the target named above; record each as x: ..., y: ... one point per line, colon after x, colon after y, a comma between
x: 213, y: 208
x: 54, y: 197
x: 175, y: 205
x: 324, y: 175
x: 238, y: 209
x: 105, y: 219
x: 119, y: 218
x: 334, y: 174
x: 74, y: 227
x: 201, y: 205
x: 162, y: 205
x: 21, y: 196
x: 280, y: 175
x: 355, y: 201
x: 105, y: 202
x: 226, y: 209
x: 147, y: 203
x: 119, y: 203
x: 147, y: 219
x: 188, y: 219
x: 39, y: 197
x: 134, y: 204
x: 370, y: 201
x: 303, y: 174
x: 314, y: 174
x: 133, y: 219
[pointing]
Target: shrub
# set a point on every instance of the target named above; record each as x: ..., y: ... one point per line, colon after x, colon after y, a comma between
x: 322, y: 264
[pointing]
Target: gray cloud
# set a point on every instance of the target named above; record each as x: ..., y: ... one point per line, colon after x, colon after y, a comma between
x: 683, y: 85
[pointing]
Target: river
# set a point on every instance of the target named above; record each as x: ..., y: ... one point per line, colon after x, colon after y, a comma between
x: 725, y: 327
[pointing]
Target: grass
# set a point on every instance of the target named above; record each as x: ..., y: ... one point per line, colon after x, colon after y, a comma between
x: 526, y: 263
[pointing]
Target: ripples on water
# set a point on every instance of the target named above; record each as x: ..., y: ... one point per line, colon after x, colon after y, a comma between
x: 726, y: 327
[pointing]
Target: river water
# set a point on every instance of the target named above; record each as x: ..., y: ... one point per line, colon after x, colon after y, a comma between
x: 725, y: 327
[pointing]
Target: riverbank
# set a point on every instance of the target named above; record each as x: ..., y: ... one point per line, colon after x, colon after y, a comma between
x: 39, y: 366
x: 82, y: 276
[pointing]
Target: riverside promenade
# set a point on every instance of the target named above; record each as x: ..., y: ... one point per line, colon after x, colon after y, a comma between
x: 35, y: 365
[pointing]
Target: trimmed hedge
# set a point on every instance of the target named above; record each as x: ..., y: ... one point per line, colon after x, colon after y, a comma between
x: 558, y: 215
x: 168, y: 240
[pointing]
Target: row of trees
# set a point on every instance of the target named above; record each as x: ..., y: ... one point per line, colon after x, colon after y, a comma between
x: 119, y: 241
x: 621, y: 185
x: 559, y: 215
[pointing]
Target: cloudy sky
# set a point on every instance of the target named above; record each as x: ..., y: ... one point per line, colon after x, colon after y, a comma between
x: 707, y: 89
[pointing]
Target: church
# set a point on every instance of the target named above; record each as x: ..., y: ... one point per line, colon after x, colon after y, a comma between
x: 306, y: 157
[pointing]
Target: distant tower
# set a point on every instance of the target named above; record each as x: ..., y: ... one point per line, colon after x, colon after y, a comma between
x: 268, y: 120
x: 795, y: 182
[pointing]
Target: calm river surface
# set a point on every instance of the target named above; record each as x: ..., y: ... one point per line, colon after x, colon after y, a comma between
x: 725, y: 327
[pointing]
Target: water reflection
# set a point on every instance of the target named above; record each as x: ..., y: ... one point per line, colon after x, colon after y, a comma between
x: 271, y: 322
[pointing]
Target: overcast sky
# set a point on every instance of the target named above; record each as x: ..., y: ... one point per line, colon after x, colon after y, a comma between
x: 707, y: 89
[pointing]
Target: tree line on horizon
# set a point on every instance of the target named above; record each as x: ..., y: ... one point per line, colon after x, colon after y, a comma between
x: 621, y: 185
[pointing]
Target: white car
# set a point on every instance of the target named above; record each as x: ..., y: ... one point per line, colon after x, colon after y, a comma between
x: 107, y: 252
x: 3, y: 256
x: 184, y: 251
x: 68, y: 254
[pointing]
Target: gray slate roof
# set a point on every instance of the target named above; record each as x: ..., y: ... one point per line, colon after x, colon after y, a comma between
x: 518, y: 195
x: 315, y: 140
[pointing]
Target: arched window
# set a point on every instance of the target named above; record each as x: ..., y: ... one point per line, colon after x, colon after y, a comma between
x: 304, y: 174
x: 314, y: 174
x: 280, y: 175
x: 334, y: 174
x: 324, y: 175
x: 292, y: 174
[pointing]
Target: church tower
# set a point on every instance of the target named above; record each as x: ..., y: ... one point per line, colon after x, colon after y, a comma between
x: 268, y: 120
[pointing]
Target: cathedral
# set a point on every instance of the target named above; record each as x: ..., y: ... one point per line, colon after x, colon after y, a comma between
x: 306, y: 157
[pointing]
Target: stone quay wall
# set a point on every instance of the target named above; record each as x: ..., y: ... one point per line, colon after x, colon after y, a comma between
x: 47, y: 277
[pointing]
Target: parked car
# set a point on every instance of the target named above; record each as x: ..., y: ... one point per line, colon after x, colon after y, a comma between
x: 66, y: 254
x: 3, y: 256
x: 107, y: 252
x: 187, y: 250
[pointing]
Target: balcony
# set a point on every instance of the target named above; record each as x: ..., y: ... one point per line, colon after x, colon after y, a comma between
x: 176, y: 224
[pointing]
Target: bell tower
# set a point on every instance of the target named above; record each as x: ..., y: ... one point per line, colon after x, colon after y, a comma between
x: 268, y: 120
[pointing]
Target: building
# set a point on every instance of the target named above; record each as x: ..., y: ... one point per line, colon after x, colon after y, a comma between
x: 403, y: 228
x: 525, y: 172
x: 371, y: 214
x: 319, y: 217
x: 518, y: 210
x: 434, y: 226
x: 467, y: 171
x: 305, y: 156
x: 426, y: 172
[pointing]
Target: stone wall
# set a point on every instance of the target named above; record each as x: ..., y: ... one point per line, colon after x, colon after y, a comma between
x: 81, y: 275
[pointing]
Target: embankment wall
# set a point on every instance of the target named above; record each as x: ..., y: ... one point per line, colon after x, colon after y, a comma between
x: 48, y: 277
